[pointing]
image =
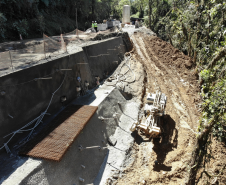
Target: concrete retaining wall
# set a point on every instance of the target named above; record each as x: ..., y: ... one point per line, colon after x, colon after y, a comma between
x: 69, y: 169
x: 94, y: 134
x: 26, y: 101
x: 105, y: 57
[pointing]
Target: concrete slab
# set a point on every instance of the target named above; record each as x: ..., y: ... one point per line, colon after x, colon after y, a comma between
x: 95, y: 97
x: 22, y: 172
x: 118, y: 153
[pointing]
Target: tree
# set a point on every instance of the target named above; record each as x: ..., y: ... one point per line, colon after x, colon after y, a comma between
x: 150, y: 12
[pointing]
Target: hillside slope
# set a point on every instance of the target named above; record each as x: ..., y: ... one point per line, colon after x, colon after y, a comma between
x: 166, y: 160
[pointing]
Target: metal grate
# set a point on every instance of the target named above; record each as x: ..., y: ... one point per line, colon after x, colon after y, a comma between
x: 55, y: 139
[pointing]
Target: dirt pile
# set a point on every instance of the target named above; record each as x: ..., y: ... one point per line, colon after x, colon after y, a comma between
x: 173, y: 59
x: 165, y: 160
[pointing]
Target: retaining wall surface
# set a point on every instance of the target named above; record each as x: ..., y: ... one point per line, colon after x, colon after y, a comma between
x: 26, y: 101
x: 69, y: 169
x: 104, y: 57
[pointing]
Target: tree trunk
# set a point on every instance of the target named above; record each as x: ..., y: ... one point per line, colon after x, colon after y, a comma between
x: 150, y: 12
x: 170, y: 40
x: 223, y: 16
x: 195, y: 56
x: 208, y: 33
x: 220, y: 55
x: 197, y: 155
x: 93, y: 8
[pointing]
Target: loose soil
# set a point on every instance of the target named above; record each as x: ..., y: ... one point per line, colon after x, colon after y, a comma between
x: 166, y: 160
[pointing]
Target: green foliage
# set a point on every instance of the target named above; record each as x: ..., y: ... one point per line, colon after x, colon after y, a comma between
x: 205, y: 74
x: 46, y: 2
x: 117, y: 7
x: 21, y: 27
x: 140, y: 6
x: 198, y: 28
x: 33, y: 17
x: 158, y: 10
x: 146, y: 21
x: 136, y: 15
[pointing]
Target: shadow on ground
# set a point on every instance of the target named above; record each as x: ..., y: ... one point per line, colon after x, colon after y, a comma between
x: 138, y: 139
x: 166, y: 143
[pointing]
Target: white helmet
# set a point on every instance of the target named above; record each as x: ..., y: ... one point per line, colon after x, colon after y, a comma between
x: 95, y: 21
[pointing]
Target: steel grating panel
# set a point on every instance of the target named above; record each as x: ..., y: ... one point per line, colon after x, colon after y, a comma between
x: 55, y: 139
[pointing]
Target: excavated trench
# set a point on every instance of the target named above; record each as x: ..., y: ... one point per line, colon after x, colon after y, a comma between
x: 164, y: 160
x: 115, y: 155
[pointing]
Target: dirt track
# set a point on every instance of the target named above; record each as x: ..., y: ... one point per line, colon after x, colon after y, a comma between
x: 165, y: 160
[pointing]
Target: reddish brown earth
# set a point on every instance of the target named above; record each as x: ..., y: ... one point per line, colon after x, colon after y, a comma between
x: 166, y: 160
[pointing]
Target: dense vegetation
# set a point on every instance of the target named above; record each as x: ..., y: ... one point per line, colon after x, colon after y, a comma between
x: 31, y: 18
x: 198, y: 28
